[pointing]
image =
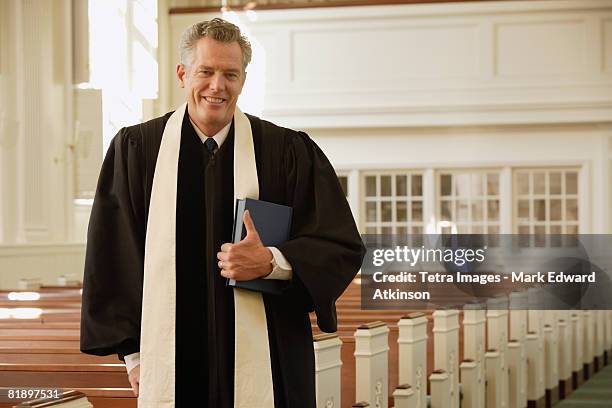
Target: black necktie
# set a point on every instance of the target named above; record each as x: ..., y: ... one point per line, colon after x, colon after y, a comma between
x: 211, y: 145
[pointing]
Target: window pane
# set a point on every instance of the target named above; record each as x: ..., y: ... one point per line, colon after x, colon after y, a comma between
x: 402, y: 230
x: 493, y: 210
x: 344, y: 184
x: 462, y: 185
x: 571, y: 229
x: 463, y: 229
x: 523, y: 229
x: 555, y: 211
x: 555, y: 238
x: 417, y: 211
x: 385, y: 186
x: 523, y: 210
x: 477, y: 229
x: 476, y: 185
x: 417, y: 185
x: 555, y: 183
x: 370, y: 212
x: 370, y: 230
x: 492, y: 184
x: 493, y: 229
x: 540, y: 238
x: 401, y: 185
x: 522, y: 182
x: 370, y: 186
x: 446, y: 210
x: 539, y: 183
x: 386, y: 230
x: 446, y: 184
x: 385, y: 209
x: 539, y: 207
x: 477, y: 211
x: 463, y: 209
x: 571, y: 183
x: 571, y: 210
x: 402, y: 211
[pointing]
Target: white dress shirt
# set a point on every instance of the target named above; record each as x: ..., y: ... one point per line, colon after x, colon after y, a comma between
x: 281, y: 268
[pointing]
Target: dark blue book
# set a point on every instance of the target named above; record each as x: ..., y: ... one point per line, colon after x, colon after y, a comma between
x: 273, y: 224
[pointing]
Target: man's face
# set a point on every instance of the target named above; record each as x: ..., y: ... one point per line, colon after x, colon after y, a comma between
x: 212, y: 83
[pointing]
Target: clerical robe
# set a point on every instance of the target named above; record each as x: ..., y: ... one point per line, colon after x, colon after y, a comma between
x: 325, y: 252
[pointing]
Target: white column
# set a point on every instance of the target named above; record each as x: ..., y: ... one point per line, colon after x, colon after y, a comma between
x: 565, y: 352
x: 535, y: 325
x: 474, y: 331
x: 535, y: 369
x: 515, y: 358
x: 497, y: 338
x: 493, y: 376
x: 328, y: 364
x: 550, y: 358
x: 470, y: 385
x: 440, y: 389
x: 600, y: 336
x: 404, y: 397
x: 518, y: 332
x: 412, y: 354
x: 551, y: 353
x: 36, y: 188
x: 577, y: 347
x: 446, y: 349
x: 588, y: 342
x: 371, y: 364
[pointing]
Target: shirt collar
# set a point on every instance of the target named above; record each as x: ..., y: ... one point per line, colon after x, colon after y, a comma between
x: 219, y: 137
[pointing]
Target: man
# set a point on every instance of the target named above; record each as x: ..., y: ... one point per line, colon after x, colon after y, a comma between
x: 159, y: 252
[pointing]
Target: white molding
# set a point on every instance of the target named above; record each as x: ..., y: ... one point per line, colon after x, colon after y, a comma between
x: 41, y: 249
x: 428, y: 10
x: 330, y: 118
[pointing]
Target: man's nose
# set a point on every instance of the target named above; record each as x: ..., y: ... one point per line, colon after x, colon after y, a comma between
x: 217, y: 83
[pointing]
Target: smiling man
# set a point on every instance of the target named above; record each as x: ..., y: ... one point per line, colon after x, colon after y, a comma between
x: 159, y: 251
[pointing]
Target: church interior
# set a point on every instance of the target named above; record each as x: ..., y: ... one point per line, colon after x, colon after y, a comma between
x: 439, y: 117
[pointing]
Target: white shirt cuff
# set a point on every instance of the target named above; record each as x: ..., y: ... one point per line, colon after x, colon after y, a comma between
x: 282, y: 269
x: 131, y: 361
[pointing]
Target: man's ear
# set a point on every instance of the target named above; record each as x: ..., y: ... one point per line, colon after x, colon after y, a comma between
x: 180, y: 74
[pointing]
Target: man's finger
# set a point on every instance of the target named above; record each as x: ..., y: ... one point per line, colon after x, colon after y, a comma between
x: 249, y: 224
x: 227, y: 273
x: 225, y: 247
x: 222, y: 256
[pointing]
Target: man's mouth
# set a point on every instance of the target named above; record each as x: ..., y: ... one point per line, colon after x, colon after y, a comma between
x: 213, y: 100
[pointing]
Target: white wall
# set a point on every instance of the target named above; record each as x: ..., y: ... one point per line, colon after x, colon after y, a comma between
x: 429, y: 65
x: 44, y: 261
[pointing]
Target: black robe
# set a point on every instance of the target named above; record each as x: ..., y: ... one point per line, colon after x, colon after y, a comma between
x: 325, y: 252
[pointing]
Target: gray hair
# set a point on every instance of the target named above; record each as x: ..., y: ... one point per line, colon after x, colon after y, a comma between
x: 219, y: 30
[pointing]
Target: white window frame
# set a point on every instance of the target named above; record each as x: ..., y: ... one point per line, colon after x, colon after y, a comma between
x: 378, y: 199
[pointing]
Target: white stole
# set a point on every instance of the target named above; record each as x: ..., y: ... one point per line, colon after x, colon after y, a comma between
x: 253, y: 371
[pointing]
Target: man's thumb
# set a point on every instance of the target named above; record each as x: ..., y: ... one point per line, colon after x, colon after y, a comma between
x: 249, y: 225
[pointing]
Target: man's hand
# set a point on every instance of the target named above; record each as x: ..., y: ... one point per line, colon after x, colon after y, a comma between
x: 248, y: 259
x: 134, y: 377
